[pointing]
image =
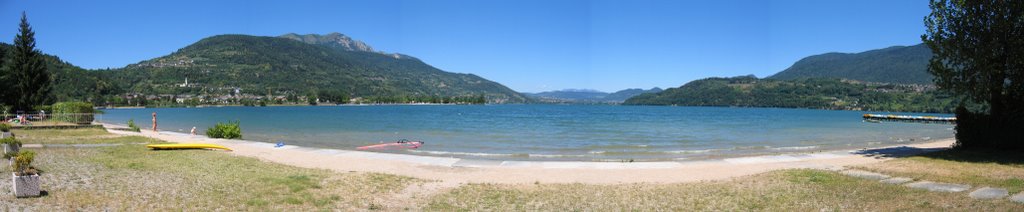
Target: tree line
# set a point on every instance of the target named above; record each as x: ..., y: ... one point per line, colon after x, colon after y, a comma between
x: 815, y: 93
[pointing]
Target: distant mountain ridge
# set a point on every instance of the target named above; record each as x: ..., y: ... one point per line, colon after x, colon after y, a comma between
x: 815, y: 93
x: 334, y: 39
x: 339, y: 41
x: 897, y: 64
x: 588, y: 95
x: 300, y: 64
x: 825, y: 81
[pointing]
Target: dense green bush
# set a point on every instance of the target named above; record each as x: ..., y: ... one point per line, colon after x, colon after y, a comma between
x: 74, y: 112
x: 979, y: 130
x: 23, y: 163
x: 10, y: 140
x: 230, y: 130
x: 132, y: 126
x: 4, y: 127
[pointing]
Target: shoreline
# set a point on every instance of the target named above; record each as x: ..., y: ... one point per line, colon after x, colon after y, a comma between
x: 458, y: 170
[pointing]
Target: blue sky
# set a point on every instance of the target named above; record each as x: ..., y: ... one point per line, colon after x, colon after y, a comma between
x: 527, y: 45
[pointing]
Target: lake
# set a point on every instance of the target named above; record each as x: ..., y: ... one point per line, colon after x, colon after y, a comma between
x: 552, y: 132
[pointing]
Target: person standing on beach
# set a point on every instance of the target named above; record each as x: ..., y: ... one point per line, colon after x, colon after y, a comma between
x: 193, y: 130
x: 154, y: 121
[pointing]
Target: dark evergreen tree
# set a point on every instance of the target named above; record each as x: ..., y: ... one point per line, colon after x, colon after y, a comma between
x: 978, y: 49
x: 29, y: 79
x: 5, y: 85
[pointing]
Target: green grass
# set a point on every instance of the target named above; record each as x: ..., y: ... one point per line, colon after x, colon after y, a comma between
x: 791, y: 190
x: 60, y: 132
x: 1001, y: 169
x: 131, y: 177
x: 76, y: 136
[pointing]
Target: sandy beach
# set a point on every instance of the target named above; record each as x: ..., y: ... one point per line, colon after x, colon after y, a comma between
x: 456, y: 170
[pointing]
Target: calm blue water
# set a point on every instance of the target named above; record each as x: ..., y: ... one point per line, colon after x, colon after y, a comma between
x: 552, y: 132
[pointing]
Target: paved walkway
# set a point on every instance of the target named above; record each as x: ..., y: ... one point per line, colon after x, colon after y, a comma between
x: 980, y: 193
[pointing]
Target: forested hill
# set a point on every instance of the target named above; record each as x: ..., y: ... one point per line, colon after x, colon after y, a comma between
x: 816, y: 93
x: 290, y: 65
x: 897, y: 64
x: 72, y: 83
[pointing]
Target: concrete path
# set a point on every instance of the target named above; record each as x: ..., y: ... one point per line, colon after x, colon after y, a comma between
x: 865, y: 174
x: 1019, y: 198
x: 934, y: 186
x: 989, y: 193
x: 897, y: 180
x: 984, y: 193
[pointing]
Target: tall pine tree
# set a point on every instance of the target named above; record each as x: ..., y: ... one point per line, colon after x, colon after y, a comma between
x: 27, y: 71
x: 5, y: 86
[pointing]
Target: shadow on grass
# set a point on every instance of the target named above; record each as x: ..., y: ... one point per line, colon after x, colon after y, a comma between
x: 1006, y: 157
x: 898, y: 152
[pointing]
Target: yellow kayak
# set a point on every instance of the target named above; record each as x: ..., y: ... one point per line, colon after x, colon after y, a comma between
x: 186, y: 146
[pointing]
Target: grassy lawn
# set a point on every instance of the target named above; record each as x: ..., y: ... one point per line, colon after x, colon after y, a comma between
x: 130, y: 177
x: 978, y: 168
x: 790, y: 190
x: 76, y: 136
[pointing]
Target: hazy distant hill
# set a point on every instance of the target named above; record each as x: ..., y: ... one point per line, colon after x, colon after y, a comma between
x: 299, y: 64
x: 620, y: 96
x: 588, y: 96
x: 897, y: 64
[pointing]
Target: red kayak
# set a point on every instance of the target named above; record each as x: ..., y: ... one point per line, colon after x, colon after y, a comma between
x: 401, y: 144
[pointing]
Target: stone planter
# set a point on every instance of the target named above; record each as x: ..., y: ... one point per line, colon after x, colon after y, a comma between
x: 25, y: 186
x: 6, y: 134
x: 8, y: 148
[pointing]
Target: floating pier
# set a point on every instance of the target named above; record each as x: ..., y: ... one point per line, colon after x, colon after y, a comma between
x: 906, y: 118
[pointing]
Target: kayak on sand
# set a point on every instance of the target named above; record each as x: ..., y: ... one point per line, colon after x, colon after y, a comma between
x: 401, y: 144
x: 186, y: 146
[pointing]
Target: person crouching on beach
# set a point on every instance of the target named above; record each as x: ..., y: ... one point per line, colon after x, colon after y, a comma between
x: 193, y: 130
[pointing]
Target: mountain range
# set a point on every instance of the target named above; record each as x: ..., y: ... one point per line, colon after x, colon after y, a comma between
x: 889, y: 79
x: 588, y: 96
x: 294, y: 64
x: 897, y: 64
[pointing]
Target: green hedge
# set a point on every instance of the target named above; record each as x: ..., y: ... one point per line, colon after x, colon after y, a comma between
x: 74, y: 112
x: 230, y: 130
x: 984, y: 131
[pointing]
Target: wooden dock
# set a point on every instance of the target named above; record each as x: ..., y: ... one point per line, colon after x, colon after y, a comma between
x: 907, y: 118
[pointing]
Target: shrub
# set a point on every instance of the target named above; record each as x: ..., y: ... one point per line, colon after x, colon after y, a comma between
x: 23, y: 163
x: 16, y: 145
x: 980, y: 130
x: 6, y: 110
x: 10, y: 155
x: 10, y: 140
x: 4, y: 127
x: 74, y: 112
x: 132, y: 126
x: 230, y: 130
